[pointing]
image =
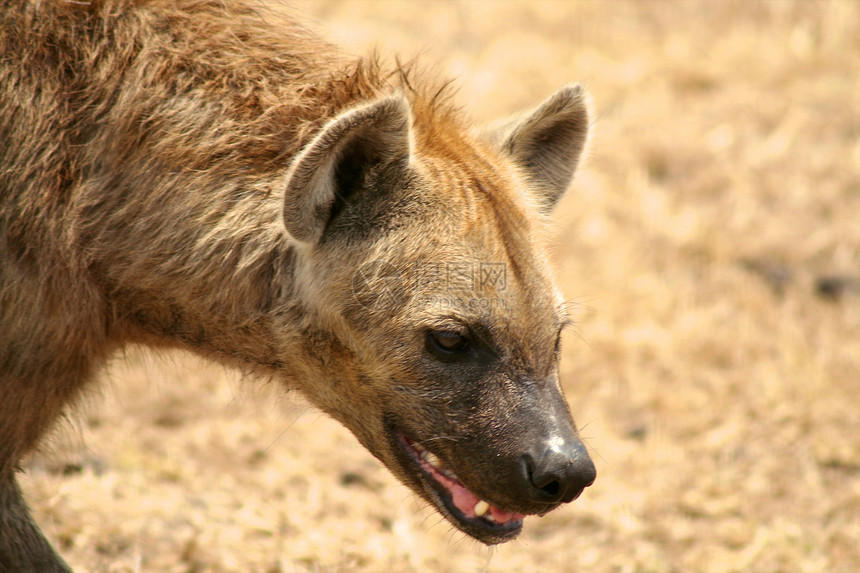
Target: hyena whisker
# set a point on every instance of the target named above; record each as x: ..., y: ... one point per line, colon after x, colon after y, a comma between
x: 287, y: 428
x: 441, y: 439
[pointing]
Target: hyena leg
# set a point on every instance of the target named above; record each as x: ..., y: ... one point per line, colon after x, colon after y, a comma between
x: 23, y: 548
x: 29, y: 405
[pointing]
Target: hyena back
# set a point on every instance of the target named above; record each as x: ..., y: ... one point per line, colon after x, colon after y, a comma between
x: 212, y: 177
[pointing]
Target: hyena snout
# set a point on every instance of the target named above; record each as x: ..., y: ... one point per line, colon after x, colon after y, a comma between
x: 556, y: 471
x: 553, y: 464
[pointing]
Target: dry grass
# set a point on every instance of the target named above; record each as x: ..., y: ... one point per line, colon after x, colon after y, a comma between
x: 715, y: 375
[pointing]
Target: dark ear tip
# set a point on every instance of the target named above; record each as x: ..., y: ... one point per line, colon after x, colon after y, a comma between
x: 396, y: 103
x: 571, y: 96
x: 395, y: 107
x: 574, y: 91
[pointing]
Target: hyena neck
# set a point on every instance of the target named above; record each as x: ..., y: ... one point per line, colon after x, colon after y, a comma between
x: 220, y: 289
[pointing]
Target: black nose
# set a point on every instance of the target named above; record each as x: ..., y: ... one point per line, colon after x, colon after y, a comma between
x: 558, y: 473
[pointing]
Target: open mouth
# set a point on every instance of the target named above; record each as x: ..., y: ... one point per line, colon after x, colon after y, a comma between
x: 467, y: 511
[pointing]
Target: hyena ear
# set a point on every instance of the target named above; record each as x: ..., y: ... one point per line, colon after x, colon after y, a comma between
x: 548, y: 143
x: 333, y: 164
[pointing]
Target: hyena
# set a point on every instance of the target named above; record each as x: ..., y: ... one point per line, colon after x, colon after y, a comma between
x: 210, y: 176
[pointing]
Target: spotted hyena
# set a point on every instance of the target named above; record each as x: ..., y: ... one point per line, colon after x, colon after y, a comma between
x: 210, y: 176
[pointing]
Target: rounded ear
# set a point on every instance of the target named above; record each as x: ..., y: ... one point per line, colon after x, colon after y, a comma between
x: 548, y: 142
x: 325, y: 173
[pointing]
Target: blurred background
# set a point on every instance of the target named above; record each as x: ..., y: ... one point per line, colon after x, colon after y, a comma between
x: 711, y: 245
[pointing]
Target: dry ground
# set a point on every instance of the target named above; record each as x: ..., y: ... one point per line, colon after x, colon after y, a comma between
x: 712, y: 245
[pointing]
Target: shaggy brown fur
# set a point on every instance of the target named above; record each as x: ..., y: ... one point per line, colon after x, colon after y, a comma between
x: 206, y: 175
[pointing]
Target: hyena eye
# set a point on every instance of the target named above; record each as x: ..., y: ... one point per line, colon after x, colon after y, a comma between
x: 446, y: 343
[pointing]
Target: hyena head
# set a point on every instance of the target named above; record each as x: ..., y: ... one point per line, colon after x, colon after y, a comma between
x: 433, y: 324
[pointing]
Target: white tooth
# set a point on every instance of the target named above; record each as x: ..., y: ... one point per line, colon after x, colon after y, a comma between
x: 481, y: 508
x: 432, y: 459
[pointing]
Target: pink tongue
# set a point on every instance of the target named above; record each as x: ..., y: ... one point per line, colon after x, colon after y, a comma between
x: 503, y: 516
x: 465, y: 500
